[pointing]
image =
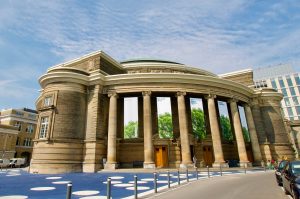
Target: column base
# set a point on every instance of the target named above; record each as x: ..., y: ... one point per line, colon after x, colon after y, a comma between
x: 220, y: 164
x: 149, y: 165
x: 110, y: 166
x: 245, y: 164
x: 185, y: 166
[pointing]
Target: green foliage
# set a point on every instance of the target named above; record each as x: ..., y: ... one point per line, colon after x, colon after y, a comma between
x: 130, y: 129
x: 165, y: 125
x: 226, y: 128
x: 198, y: 123
x: 246, y: 134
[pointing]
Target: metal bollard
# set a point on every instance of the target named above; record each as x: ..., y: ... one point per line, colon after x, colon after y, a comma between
x: 197, y: 176
x: 208, y: 175
x: 155, y: 182
x: 69, y: 190
x: 169, y: 185
x: 178, y: 175
x: 187, y: 174
x: 135, y: 187
x: 108, y: 188
x: 245, y: 168
x: 221, y: 172
x: 265, y: 168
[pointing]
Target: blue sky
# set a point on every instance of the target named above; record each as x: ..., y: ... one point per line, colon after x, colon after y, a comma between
x: 219, y: 36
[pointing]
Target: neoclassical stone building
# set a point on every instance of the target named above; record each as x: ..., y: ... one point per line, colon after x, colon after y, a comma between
x: 81, y: 117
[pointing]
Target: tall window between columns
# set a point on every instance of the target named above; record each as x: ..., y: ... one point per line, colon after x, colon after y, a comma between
x: 164, y: 117
x: 198, y: 118
x: 225, y: 123
x: 244, y: 124
x: 130, y: 117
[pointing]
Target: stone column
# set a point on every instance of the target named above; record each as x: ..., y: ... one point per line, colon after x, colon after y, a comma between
x: 112, y: 133
x: 148, y: 143
x: 253, y: 136
x: 215, y: 132
x: 184, y: 133
x: 239, y: 134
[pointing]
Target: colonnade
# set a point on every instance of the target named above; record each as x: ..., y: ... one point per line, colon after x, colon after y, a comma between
x: 186, y: 161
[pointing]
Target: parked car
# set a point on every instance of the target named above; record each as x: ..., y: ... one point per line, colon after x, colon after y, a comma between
x: 4, y: 163
x: 291, y: 178
x: 17, y: 162
x: 278, y: 171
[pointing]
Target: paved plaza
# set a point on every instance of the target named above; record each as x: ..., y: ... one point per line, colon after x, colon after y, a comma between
x: 19, y: 184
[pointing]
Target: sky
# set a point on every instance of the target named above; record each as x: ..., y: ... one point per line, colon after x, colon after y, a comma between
x: 216, y: 35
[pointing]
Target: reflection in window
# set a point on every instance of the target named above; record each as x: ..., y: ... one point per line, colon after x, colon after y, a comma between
x: 298, y: 110
x: 284, y: 92
x: 289, y: 80
x: 295, y: 100
x: 287, y: 102
x: 281, y: 83
x: 290, y: 112
x: 297, y: 80
x: 292, y: 90
x: 273, y: 84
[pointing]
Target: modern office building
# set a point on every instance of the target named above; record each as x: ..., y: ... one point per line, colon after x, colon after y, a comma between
x: 285, y: 80
x: 81, y: 117
x: 25, y: 121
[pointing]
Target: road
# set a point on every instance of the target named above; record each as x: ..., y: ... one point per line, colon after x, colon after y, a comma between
x: 249, y: 186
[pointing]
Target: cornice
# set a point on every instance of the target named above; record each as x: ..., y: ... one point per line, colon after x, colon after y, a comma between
x: 202, y: 80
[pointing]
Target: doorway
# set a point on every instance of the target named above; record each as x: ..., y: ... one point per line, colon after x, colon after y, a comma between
x: 161, y: 156
x: 208, y: 155
x: 249, y: 153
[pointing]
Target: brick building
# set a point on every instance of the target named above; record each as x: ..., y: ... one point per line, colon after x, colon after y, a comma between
x: 24, y: 120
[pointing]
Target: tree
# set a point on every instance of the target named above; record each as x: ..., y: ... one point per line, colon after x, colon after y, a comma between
x: 198, y: 123
x: 226, y: 128
x: 246, y: 134
x: 165, y: 125
x: 130, y: 129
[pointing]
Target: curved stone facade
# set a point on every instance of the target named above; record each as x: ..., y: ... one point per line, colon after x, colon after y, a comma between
x: 81, y: 117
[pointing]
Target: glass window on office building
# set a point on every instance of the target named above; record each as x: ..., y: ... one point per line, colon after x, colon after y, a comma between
x: 290, y: 112
x: 284, y: 92
x: 289, y: 80
x: 273, y: 84
x: 295, y: 100
x: 287, y: 102
x: 292, y: 90
x: 298, y: 110
x: 297, y: 79
x: 281, y: 83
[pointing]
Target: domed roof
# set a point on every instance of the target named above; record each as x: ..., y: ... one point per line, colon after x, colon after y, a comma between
x: 146, y: 65
x: 148, y: 60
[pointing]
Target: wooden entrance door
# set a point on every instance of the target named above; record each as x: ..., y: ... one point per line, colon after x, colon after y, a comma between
x: 208, y: 155
x: 249, y: 153
x: 161, y: 156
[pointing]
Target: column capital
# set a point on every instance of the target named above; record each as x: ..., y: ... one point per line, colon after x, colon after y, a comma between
x: 233, y: 100
x: 210, y: 96
x: 146, y: 93
x: 112, y: 94
x: 180, y: 93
